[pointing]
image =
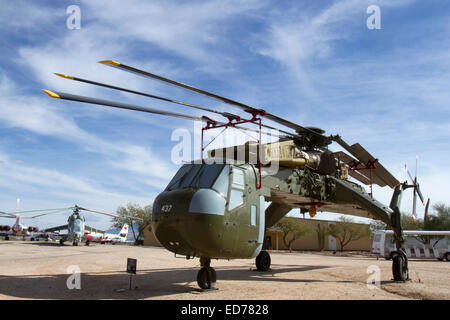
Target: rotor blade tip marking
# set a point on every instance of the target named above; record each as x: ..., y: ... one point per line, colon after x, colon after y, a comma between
x: 51, y: 94
x: 110, y: 62
x: 63, y: 76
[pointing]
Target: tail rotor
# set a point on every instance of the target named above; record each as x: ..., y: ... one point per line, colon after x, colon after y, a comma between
x: 416, y: 191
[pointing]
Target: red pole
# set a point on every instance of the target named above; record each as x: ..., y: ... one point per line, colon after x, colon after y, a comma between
x: 260, y: 156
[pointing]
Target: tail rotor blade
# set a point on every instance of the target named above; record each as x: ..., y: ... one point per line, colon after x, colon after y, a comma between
x: 419, y: 193
x: 425, y: 216
x: 409, y: 174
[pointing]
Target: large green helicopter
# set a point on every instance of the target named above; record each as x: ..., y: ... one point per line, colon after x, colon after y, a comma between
x: 216, y: 209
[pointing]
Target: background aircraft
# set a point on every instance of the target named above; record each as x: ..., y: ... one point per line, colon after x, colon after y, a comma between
x: 78, y: 231
x: 114, y: 237
x: 19, y: 229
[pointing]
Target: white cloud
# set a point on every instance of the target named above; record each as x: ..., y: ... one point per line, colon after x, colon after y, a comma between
x: 189, y: 29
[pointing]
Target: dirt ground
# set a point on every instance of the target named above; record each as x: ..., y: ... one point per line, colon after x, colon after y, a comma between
x: 41, y: 270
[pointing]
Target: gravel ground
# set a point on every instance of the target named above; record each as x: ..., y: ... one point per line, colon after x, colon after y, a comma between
x: 41, y: 270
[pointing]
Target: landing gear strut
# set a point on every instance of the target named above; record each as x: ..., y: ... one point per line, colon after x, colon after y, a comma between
x: 263, y: 261
x: 206, y: 277
x: 399, y: 258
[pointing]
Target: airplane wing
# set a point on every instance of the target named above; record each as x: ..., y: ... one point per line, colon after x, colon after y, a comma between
x: 91, y: 229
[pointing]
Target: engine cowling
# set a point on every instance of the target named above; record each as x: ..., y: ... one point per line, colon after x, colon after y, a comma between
x: 33, y: 229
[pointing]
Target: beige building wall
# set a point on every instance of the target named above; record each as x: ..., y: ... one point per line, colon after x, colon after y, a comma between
x: 307, y: 242
x: 311, y: 240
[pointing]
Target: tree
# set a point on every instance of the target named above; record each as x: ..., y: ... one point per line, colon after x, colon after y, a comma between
x: 377, y: 225
x: 133, y: 215
x: 440, y: 219
x: 292, y: 229
x: 408, y: 223
x: 322, y: 233
x: 347, y: 231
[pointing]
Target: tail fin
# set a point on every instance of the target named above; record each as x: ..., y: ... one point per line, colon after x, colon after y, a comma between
x: 124, y: 232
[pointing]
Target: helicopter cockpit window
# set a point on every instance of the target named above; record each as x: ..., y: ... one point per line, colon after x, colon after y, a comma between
x: 207, y: 175
x: 237, y: 189
x: 186, y: 180
x: 198, y: 176
x: 77, y: 226
x: 221, y: 183
x: 175, y: 182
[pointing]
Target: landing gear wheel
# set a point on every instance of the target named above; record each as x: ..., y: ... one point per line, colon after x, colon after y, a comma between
x: 398, y: 268
x: 88, y: 242
x: 447, y: 256
x: 206, y: 278
x: 61, y: 242
x: 263, y: 261
x: 75, y: 244
x: 6, y: 238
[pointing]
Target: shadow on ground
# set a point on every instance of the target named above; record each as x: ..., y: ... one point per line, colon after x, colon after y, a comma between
x: 154, y: 283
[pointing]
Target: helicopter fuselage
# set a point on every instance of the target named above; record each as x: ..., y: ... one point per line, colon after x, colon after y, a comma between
x: 217, y: 210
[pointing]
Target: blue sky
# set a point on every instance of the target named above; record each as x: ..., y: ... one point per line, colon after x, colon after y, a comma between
x: 313, y: 62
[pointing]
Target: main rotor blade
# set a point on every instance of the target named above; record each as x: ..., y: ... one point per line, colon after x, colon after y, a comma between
x: 380, y: 174
x: 103, y: 213
x: 223, y: 114
x: 43, y: 214
x: 121, y: 66
x: 52, y: 210
x: 109, y: 214
x: 246, y: 108
x: 72, y: 97
x: 6, y: 215
x: 138, y: 93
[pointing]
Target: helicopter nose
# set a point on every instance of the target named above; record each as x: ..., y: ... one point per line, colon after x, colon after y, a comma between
x: 191, y: 224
